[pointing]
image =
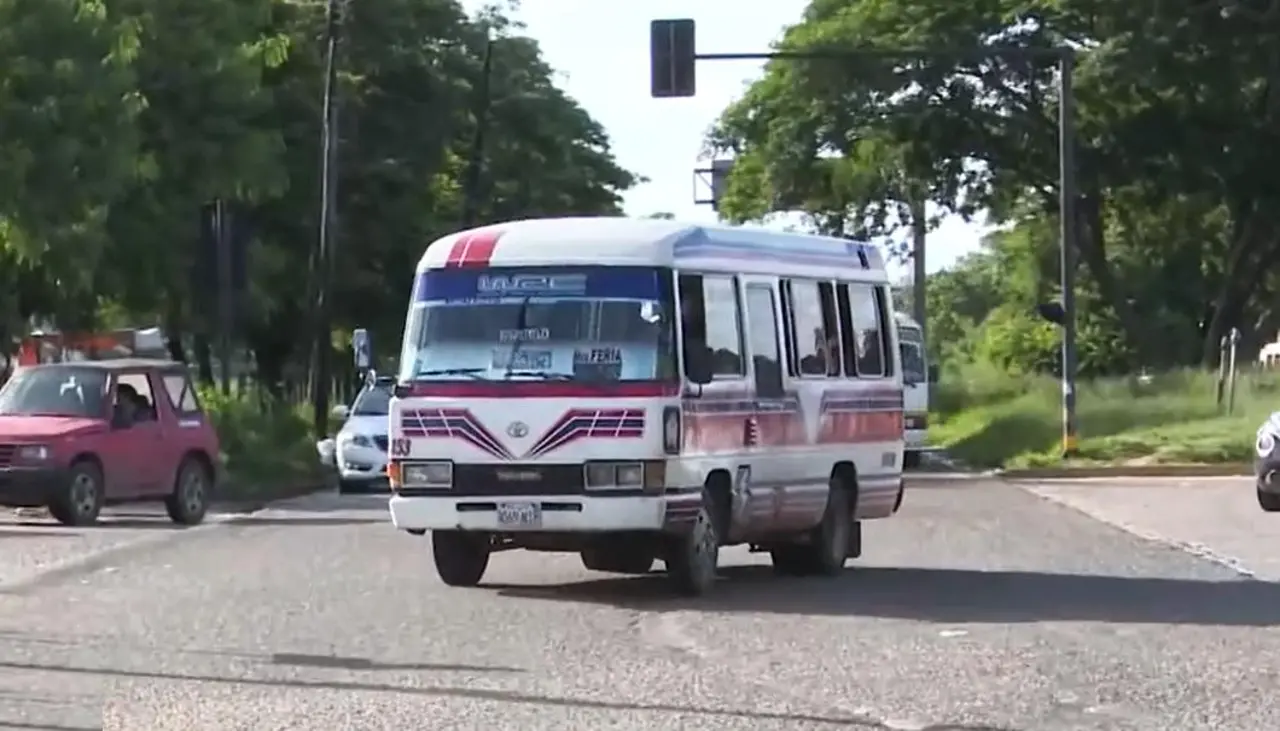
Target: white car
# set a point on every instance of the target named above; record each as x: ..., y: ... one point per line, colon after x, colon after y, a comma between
x: 360, y: 449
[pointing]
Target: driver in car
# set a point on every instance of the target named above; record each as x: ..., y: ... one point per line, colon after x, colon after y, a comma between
x: 126, y: 407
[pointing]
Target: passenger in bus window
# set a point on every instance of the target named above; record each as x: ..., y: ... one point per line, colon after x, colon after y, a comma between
x: 833, y: 356
x: 815, y: 364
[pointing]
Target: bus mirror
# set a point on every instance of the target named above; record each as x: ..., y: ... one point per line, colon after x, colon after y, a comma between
x: 933, y: 374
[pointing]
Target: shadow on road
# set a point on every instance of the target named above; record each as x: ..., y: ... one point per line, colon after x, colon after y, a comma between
x: 27, y: 726
x: 361, y: 663
x: 945, y: 595
x: 28, y: 530
x: 481, y: 694
x: 300, y: 521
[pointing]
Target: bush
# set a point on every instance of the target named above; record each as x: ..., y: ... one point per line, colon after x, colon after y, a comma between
x: 988, y: 418
x: 261, y: 446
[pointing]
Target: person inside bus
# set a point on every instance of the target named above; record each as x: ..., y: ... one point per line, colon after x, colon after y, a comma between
x: 818, y: 362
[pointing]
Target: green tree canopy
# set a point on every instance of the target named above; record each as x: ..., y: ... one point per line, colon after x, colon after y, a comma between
x: 120, y: 120
x: 1176, y: 137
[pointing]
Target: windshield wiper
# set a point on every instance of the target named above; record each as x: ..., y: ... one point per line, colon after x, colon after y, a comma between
x: 472, y: 372
x: 544, y: 375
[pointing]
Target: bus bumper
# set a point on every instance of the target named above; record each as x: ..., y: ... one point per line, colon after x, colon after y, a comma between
x: 551, y: 513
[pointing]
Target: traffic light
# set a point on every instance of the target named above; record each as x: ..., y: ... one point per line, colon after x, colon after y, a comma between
x: 1052, y: 311
x: 672, y: 57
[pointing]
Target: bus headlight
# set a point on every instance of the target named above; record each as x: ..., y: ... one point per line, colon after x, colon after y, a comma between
x: 625, y: 475
x: 426, y: 474
x: 630, y: 475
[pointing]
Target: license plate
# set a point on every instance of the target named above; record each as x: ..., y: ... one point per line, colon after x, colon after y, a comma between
x: 520, y: 515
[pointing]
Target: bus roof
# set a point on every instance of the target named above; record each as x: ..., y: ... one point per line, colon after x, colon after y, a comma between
x: 653, y: 242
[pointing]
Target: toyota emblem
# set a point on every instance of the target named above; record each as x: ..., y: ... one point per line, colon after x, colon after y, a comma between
x: 518, y: 429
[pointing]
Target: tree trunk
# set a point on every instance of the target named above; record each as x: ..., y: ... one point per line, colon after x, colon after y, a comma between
x: 1093, y: 251
x: 204, y: 359
x: 1243, y: 275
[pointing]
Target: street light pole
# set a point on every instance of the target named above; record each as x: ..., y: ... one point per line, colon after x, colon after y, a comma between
x: 673, y: 57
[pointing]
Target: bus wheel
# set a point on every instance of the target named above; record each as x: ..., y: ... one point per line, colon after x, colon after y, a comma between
x: 827, y: 549
x: 692, y: 557
x: 461, y: 558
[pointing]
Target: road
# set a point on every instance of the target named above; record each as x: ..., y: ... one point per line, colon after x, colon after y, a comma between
x: 981, y: 606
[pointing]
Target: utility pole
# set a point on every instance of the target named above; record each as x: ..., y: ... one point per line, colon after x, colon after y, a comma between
x: 322, y: 368
x: 919, y: 232
x: 226, y: 306
x: 475, y: 158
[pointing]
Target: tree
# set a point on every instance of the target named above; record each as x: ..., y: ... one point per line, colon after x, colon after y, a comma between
x: 68, y: 108
x: 121, y: 120
x: 1175, y: 116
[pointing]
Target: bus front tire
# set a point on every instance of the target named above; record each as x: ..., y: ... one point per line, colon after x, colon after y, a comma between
x: 461, y: 558
x: 693, y: 557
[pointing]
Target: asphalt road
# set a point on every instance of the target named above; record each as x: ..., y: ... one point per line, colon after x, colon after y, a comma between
x: 981, y: 606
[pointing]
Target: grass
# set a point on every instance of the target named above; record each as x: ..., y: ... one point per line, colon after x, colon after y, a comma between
x: 988, y: 419
x: 266, y: 452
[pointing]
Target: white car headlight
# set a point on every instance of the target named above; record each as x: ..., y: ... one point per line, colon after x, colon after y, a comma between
x: 1265, y: 444
x: 356, y: 440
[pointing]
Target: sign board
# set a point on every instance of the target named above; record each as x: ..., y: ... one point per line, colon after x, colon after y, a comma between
x: 361, y: 349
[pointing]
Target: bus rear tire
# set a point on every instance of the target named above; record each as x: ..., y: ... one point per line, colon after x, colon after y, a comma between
x: 461, y: 558
x: 827, y: 549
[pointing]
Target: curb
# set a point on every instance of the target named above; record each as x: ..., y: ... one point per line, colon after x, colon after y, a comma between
x: 1159, y: 470
x: 286, y: 491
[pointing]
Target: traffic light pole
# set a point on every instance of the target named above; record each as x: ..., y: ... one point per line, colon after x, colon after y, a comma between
x: 1067, y: 251
x: 673, y: 57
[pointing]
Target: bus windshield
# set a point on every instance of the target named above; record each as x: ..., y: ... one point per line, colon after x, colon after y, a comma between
x: 546, y: 323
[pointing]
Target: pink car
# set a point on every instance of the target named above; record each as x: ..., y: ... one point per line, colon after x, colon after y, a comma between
x: 77, y: 436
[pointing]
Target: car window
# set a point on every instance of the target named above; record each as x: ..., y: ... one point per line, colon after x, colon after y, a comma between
x: 134, y: 395
x: 182, y: 394
x: 55, y: 392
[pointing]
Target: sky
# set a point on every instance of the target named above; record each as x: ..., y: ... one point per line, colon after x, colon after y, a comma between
x: 600, y: 51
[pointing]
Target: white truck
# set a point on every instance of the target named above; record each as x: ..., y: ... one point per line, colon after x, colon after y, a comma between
x: 642, y: 390
x: 917, y: 378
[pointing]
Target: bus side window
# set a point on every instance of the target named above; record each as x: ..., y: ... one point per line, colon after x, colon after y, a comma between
x: 712, y: 327
x: 762, y: 338
x: 864, y: 301
x: 830, y: 323
x: 884, y: 314
x: 786, y: 301
x: 848, y: 333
